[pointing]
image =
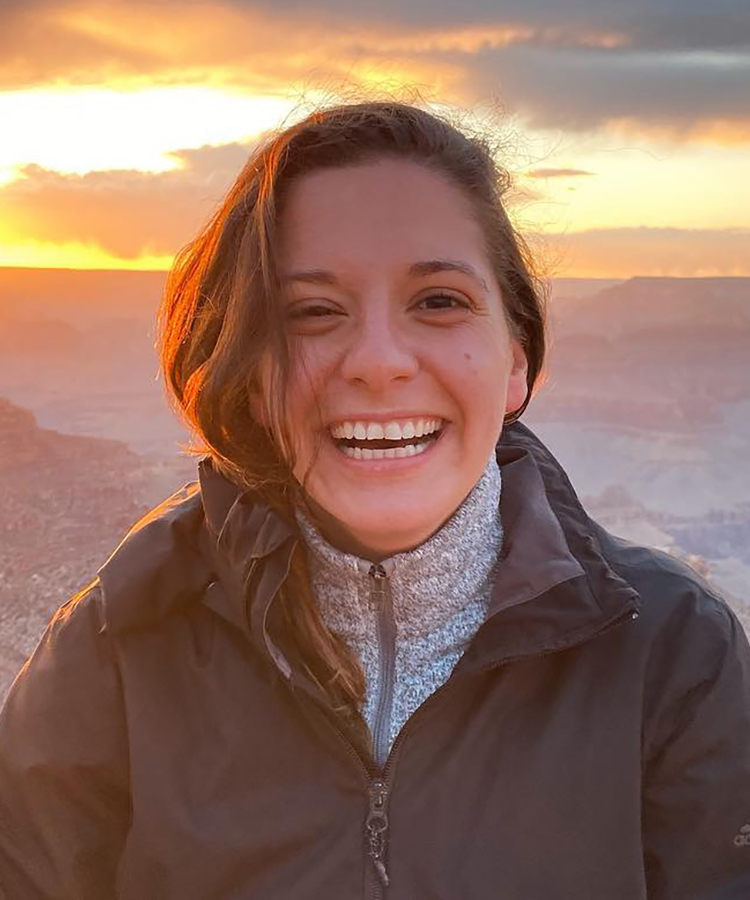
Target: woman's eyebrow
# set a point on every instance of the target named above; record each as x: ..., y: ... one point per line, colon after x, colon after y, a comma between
x: 418, y: 269
x: 432, y: 266
x: 312, y: 276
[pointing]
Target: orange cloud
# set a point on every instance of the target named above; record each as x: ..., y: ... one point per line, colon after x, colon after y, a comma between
x: 103, y: 217
x: 243, y: 44
x: 219, y: 44
x: 137, y: 220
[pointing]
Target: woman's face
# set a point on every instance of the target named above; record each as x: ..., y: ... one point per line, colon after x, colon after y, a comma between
x: 402, y: 358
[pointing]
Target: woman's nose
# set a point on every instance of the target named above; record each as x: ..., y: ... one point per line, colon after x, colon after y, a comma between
x: 379, y: 354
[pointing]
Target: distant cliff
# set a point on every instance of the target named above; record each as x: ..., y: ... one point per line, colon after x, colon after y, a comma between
x: 65, y: 503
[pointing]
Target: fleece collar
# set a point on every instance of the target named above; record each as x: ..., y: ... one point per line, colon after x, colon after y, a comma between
x: 429, y: 585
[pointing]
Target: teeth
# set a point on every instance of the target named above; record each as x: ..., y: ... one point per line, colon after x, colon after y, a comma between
x: 383, y: 453
x: 392, y: 431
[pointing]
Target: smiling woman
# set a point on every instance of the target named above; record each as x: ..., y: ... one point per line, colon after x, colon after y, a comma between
x: 392, y: 334
x: 379, y: 649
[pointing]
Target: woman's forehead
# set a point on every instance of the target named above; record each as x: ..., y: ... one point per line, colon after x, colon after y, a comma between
x: 390, y: 212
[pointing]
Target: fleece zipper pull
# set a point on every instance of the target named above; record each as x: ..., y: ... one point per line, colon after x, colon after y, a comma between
x: 377, y: 826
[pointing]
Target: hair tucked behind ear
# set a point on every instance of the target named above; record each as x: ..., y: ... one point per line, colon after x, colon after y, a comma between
x: 221, y: 318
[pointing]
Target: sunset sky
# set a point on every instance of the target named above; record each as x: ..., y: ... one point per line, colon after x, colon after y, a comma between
x: 626, y: 124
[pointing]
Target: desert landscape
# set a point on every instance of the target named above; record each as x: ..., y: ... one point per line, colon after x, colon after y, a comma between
x: 646, y: 403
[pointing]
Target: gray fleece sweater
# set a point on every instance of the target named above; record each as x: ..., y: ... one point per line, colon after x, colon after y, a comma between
x: 409, y: 618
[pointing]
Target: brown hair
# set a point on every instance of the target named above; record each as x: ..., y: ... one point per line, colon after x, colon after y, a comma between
x: 220, y: 314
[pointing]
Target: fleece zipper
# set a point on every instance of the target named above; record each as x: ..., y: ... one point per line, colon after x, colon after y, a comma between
x: 382, y: 604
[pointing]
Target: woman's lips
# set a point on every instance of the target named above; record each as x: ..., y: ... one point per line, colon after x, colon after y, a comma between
x: 415, y: 450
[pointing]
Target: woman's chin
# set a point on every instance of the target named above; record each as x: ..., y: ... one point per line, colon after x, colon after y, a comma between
x: 389, y: 505
x: 367, y: 539
x: 381, y: 523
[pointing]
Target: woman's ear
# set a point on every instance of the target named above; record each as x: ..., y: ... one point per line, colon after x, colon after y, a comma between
x: 518, y: 388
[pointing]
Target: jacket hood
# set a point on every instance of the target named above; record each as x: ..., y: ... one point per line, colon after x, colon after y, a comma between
x: 210, y: 541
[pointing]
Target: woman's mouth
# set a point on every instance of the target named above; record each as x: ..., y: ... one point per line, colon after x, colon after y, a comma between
x: 397, y: 439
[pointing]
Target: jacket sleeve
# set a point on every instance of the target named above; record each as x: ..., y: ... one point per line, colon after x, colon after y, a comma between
x: 64, y: 797
x: 696, y: 810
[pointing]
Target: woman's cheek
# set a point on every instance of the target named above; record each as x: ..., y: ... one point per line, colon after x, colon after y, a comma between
x: 317, y: 361
x: 477, y: 366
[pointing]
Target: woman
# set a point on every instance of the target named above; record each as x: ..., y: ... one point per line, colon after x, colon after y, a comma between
x: 379, y: 650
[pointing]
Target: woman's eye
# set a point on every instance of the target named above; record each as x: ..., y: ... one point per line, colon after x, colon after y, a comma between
x: 312, y: 311
x: 443, y: 301
x: 312, y: 318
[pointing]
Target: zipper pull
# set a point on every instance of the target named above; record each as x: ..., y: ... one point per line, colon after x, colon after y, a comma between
x: 377, y: 595
x: 377, y: 826
x: 377, y: 571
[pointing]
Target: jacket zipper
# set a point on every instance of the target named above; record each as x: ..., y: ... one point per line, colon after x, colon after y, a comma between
x: 377, y: 820
x: 376, y: 823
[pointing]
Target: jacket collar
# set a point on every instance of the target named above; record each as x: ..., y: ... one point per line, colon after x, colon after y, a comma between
x: 553, y: 581
x: 554, y: 586
x: 210, y: 540
x: 545, y: 495
x: 251, y: 548
x: 205, y: 541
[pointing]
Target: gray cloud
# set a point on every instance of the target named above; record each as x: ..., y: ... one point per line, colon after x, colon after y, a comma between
x: 36, y: 48
x: 582, y: 89
x: 559, y: 63
x: 668, y: 24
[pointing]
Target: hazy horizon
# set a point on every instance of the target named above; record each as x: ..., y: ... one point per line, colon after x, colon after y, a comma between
x: 646, y: 404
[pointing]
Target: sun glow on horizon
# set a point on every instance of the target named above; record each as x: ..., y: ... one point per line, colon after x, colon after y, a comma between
x: 74, y: 255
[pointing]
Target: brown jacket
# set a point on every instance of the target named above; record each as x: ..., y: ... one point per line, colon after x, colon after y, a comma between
x: 593, y: 742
